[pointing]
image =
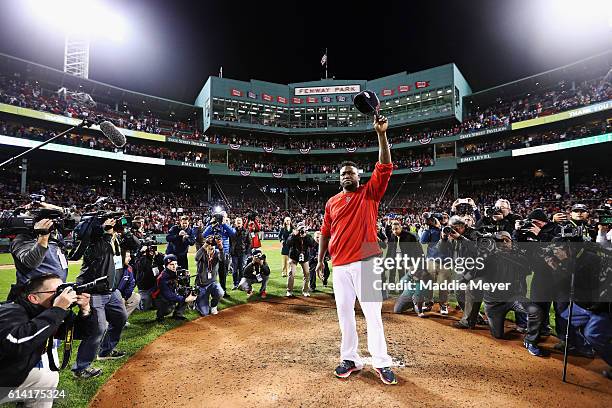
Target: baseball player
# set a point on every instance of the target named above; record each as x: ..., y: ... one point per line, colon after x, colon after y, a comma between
x: 349, y: 234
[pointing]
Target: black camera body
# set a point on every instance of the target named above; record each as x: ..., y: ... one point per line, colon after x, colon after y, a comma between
x: 251, y: 215
x: 447, y: 230
x: 95, y: 287
x: 216, y: 219
x: 604, y: 215
x: 522, y: 231
x: 184, y: 287
x: 16, y: 222
x: 491, y: 211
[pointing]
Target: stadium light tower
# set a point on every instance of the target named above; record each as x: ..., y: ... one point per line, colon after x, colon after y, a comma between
x: 79, y: 20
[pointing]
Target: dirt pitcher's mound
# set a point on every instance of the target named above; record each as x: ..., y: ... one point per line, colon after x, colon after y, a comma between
x: 270, y: 354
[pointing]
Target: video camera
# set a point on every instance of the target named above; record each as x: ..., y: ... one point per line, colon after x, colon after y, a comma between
x: 97, y: 286
x: 522, y: 231
x: 184, y: 287
x: 81, y: 235
x: 430, y: 216
x: 21, y: 220
x: 491, y: 211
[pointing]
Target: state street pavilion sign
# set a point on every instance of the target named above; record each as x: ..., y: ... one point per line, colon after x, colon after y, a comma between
x: 328, y: 90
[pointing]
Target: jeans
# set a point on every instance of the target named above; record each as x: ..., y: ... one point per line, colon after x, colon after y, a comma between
x: 223, y: 266
x: 146, y: 301
x: 496, y: 312
x: 594, y: 329
x: 238, y: 262
x: 108, y: 317
x: 208, y: 298
x: 164, y: 307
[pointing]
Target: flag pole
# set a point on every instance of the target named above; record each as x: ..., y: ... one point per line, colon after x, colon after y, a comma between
x: 326, y: 59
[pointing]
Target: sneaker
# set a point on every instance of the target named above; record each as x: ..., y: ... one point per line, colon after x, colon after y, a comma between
x: 226, y: 295
x: 126, y: 325
x: 235, y: 287
x: 386, y: 375
x: 214, y: 310
x: 89, y: 372
x: 461, y: 325
x: 481, y: 320
x: 289, y: 294
x: 263, y: 294
x: 421, y: 314
x: 427, y: 306
x: 249, y: 293
x: 533, y: 349
x: 180, y: 318
x: 113, y: 355
x: 305, y: 294
x: 346, y: 368
x: 444, y: 310
x: 574, y: 351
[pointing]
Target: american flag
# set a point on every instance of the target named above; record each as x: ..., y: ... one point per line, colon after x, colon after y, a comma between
x: 324, y: 59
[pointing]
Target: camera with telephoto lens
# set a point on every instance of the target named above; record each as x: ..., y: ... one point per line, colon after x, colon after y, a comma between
x: 216, y: 219
x: 150, y: 242
x: 447, y: 230
x: 96, y: 287
x: 301, y: 230
x: 90, y: 221
x: 430, y: 216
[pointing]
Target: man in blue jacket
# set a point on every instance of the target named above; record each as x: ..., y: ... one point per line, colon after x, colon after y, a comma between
x: 219, y: 226
x: 165, y: 297
x: 180, y: 238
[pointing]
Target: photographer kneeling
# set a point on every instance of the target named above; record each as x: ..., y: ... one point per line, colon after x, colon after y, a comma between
x: 256, y: 271
x: 509, y: 268
x: 26, y: 325
x: 165, y: 297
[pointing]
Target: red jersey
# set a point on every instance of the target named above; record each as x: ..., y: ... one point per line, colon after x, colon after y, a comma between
x: 254, y: 229
x: 350, y: 219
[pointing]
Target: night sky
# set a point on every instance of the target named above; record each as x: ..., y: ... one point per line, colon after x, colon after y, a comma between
x: 173, y: 46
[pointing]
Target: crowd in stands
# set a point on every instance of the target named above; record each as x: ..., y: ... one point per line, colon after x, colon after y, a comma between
x: 101, y: 143
x: 162, y: 209
x: 536, y: 139
x: 28, y: 93
x: 565, y: 96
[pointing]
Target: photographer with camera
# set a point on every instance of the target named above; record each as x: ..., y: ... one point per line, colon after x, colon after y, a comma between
x: 591, y: 291
x: 165, y: 295
x: 126, y: 286
x: 579, y: 219
x: 149, y: 264
x: 257, y: 271
x: 507, y: 266
x: 313, y: 256
x: 498, y: 218
x: 283, y: 235
x: 240, y: 247
x: 180, y: 238
x: 299, y: 244
x: 431, y: 236
x: 219, y: 227
x: 102, y: 259
x: 208, y: 259
x: 39, y: 250
x: 465, y: 206
x: 400, y: 243
x: 457, y: 240
x: 38, y: 314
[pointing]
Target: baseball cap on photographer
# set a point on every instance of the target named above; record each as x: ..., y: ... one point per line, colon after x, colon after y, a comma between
x: 580, y: 207
x: 256, y: 253
x: 169, y: 258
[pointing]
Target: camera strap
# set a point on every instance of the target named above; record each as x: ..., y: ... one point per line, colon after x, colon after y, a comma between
x: 69, y: 321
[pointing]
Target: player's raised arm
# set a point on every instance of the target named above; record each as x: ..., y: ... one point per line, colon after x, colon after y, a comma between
x: 384, y: 152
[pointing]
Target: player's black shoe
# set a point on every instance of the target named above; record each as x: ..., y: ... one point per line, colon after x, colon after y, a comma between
x: 386, y: 375
x: 345, y: 369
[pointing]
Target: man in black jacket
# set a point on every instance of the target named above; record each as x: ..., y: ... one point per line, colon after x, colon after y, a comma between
x: 240, y: 246
x: 25, y: 327
x: 501, y: 218
x: 102, y: 258
x: 313, y: 256
x: 299, y: 243
x: 461, y: 243
x: 149, y: 265
x: 401, y: 243
x: 510, y: 269
x: 256, y: 271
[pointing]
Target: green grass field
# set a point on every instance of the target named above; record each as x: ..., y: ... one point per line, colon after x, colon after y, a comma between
x: 143, y: 329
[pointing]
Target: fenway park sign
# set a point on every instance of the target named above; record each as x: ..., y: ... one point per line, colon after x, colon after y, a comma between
x: 326, y: 90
